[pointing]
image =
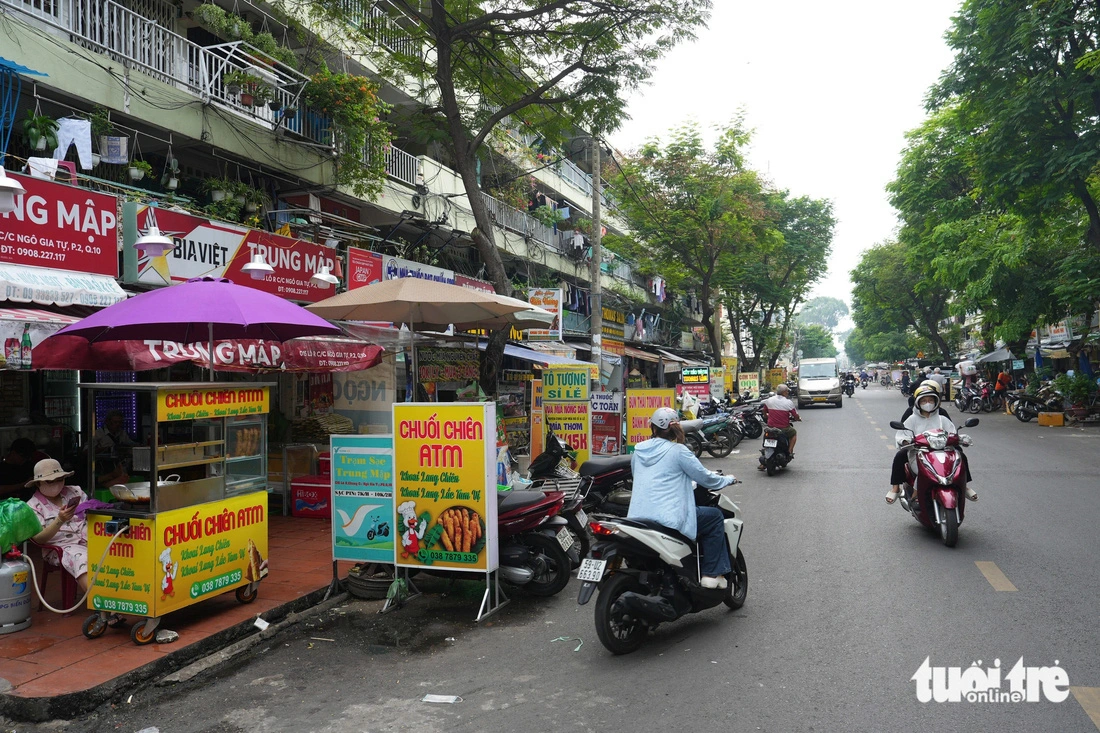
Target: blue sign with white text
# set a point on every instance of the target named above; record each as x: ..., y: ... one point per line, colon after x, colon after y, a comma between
x: 362, y: 498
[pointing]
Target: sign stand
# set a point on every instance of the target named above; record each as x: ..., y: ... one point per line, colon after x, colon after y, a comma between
x: 398, y: 599
x: 494, y: 599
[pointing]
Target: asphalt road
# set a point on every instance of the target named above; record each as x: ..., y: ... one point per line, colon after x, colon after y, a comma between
x: 847, y: 597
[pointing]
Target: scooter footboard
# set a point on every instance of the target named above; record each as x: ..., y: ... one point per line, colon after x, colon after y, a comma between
x: 733, y: 533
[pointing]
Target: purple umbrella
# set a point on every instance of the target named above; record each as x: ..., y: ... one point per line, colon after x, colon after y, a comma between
x: 204, y: 308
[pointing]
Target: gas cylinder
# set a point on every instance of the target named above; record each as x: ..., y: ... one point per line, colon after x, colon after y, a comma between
x: 15, y: 594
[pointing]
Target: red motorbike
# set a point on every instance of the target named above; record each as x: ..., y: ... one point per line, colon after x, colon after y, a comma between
x: 935, y: 477
x: 533, y: 540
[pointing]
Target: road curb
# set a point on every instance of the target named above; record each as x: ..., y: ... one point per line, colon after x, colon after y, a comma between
x: 244, y: 634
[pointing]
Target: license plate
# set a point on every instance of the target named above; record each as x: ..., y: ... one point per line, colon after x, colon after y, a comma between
x: 591, y: 570
x: 771, y: 443
x: 565, y: 539
x: 582, y: 517
x: 821, y: 399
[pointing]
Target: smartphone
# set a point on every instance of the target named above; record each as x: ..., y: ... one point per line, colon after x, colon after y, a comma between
x: 73, y: 502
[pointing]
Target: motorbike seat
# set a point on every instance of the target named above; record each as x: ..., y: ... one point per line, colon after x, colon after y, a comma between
x: 509, y: 500
x: 691, y: 426
x: 650, y: 524
x: 597, y: 466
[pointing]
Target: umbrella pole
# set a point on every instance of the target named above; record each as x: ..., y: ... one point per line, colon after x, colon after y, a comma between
x: 211, y: 334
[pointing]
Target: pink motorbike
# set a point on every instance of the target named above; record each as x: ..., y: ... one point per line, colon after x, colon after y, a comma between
x: 935, y: 476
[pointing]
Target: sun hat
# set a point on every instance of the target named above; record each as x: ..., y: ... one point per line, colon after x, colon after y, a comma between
x: 47, y: 469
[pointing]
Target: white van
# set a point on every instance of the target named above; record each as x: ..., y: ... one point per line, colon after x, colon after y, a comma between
x: 819, y: 383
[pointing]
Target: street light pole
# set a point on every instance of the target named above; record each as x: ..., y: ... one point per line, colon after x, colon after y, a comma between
x: 596, y: 317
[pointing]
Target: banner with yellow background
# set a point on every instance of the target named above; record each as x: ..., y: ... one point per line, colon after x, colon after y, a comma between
x: 566, y: 407
x: 640, y: 404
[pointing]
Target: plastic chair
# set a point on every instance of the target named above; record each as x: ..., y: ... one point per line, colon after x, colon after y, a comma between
x: 69, y: 587
x: 69, y: 166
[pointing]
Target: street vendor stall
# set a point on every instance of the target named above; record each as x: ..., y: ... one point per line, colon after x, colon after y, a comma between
x: 196, y: 524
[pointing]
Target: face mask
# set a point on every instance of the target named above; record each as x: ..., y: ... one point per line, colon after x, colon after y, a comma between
x: 927, y: 406
x: 51, y: 490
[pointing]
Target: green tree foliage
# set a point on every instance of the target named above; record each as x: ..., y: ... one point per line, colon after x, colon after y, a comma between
x: 554, y: 66
x: 855, y: 347
x: 765, y: 283
x: 692, y: 211
x: 823, y: 311
x: 895, y: 292
x: 816, y: 341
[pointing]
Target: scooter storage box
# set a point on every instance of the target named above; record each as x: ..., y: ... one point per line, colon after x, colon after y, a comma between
x: 1052, y: 419
x: 311, y: 496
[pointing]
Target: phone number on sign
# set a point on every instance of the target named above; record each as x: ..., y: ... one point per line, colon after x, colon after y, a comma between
x: 137, y: 608
x: 218, y: 583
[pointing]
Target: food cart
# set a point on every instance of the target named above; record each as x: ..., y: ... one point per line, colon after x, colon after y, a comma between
x: 196, y: 525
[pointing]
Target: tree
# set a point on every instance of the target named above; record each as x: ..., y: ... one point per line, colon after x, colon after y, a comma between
x: 692, y: 211
x: 855, y: 346
x: 892, y: 292
x: 764, y: 284
x: 824, y: 311
x: 816, y: 342
x: 555, y: 66
x: 1021, y: 79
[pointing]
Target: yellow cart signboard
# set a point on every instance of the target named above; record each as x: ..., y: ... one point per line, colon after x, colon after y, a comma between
x: 445, y: 485
x: 197, y: 403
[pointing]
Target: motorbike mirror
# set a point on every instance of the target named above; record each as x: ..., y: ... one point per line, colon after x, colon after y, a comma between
x: 970, y: 423
x: 897, y: 425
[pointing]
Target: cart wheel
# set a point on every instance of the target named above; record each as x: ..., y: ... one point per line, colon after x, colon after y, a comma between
x: 247, y: 593
x: 139, y: 636
x: 94, y: 626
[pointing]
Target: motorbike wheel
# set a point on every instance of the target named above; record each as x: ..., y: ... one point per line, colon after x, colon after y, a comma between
x: 618, y: 635
x: 772, y: 469
x: 949, y: 527
x: 553, y: 574
x: 723, y: 441
x: 692, y: 441
x: 752, y: 429
x: 1023, y: 412
x: 974, y: 406
x: 738, y: 582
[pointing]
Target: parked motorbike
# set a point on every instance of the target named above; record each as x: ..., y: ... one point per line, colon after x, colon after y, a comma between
x: 749, y: 420
x: 1028, y: 406
x: 936, y: 477
x: 648, y: 574
x: 776, y: 452
x: 550, y: 471
x: 533, y: 541
x: 717, y: 435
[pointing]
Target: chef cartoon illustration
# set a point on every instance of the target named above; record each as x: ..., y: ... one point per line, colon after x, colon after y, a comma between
x: 412, y: 529
x: 167, y: 586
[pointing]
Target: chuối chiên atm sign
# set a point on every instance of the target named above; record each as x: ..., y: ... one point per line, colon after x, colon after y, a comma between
x: 193, y: 404
x: 695, y: 375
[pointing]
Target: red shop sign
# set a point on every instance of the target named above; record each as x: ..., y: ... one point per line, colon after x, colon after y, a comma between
x: 61, y: 226
x: 474, y: 284
x: 364, y: 268
x: 217, y: 249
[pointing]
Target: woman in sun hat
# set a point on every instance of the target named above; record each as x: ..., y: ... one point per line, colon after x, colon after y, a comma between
x: 55, y: 504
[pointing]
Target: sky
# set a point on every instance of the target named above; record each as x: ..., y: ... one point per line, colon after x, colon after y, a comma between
x: 830, y: 89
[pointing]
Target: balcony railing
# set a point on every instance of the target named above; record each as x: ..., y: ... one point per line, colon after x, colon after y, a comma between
x: 377, y: 23
x: 521, y: 223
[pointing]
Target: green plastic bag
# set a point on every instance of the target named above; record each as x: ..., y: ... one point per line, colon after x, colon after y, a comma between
x: 18, y: 523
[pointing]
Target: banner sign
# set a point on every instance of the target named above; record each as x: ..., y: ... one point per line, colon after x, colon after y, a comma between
x: 538, y: 435
x: 717, y: 383
x: 447, y: 365
x: 700, y: 391
x: 1017, y: 364
x: 607, y: 422
x: 565, y: 403
x: 695, y: 375
x: 611, y: 402
x: 396, y: 268
x: 777, y: 377
x: 364, y: 268
x: 547, y: 299
x: 61, y: 227
x: 445, y: 485
x: 203, y: 247
x: 748, y: 382
x: 179, y: 557
x: 193, y: 404
x: 362, y: 498
x: 474, y: 284
x: 730, y: 363
x: 640, y: 404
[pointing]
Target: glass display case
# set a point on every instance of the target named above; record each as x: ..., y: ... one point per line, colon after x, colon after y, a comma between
x: 246, y: 454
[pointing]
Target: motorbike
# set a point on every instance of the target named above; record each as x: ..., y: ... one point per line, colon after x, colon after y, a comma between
x: 885, y: 380
x: 749, y: 420
x: 863, y: 383
x: 717, y: 435
x: 648, y: 574
x: 935, y: 477
x: 1028, y: 406
x: 533, y: 541
x: 849, y: 386
x: 776, y: 452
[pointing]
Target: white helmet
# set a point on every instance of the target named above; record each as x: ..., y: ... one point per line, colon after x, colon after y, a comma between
x: 663, y: 417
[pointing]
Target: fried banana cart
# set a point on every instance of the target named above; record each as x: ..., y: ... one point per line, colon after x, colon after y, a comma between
x: 196, y: 525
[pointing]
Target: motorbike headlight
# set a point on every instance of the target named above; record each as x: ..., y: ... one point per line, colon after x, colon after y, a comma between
x: 937, y: 441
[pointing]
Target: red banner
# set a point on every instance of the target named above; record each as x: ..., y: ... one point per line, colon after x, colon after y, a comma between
x: 245, y: 355
x: 212, y: 248
x: 364, y: 268
x: 61, y: 226
x: 474, y: 284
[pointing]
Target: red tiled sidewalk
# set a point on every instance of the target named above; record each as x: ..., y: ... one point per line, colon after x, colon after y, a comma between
x: 53, y: 658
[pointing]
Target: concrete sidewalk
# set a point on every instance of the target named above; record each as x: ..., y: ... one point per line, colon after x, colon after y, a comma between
x: 51, y: 670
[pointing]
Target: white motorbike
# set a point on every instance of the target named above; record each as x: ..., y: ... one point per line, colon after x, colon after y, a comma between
x: 648, y: 574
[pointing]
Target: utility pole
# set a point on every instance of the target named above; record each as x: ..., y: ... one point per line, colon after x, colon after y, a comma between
x: 596, y: 319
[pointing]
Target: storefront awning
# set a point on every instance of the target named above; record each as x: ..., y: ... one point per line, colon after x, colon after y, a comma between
x: 1001, y: 354
x: 33, y: 315
x: 643, y: 355
x: 535, y: 357
x: 37, y: 324
x: 669, y: 356
x: 555, y: 348
x: 58, y: 287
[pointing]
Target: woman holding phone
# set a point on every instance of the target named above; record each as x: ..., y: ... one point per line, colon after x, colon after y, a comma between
x: 55, y: 504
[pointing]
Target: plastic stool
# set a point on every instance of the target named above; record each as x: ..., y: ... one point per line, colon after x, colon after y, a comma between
x: 71, y: 168
x: 68, y: 582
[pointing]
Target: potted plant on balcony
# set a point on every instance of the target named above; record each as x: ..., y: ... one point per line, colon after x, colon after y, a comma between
x: 218, y: 188
x: 170, y: 178
x: 139, y: 169
x: 254, y: 200
x: 239, y: 192
x: 40, y: 131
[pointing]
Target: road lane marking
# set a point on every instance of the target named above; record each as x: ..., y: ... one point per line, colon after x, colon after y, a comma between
x: 1089, y: 699
x: 993, y: 574
x: 879, y: 429
x: 874, y: 423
